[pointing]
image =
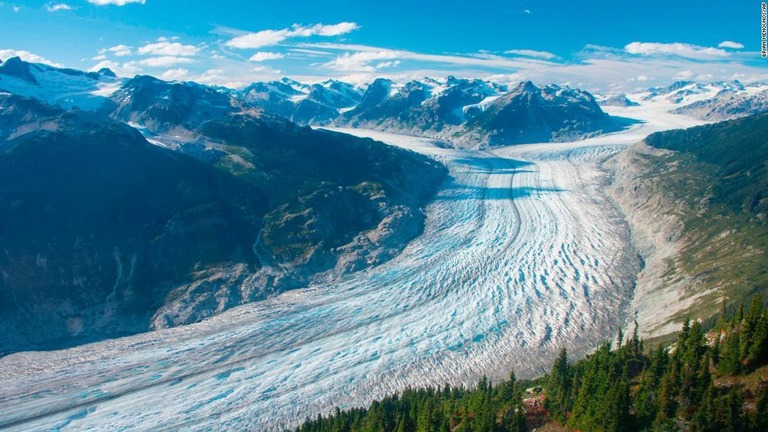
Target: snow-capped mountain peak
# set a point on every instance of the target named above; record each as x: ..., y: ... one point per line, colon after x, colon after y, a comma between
x: 58, y: 86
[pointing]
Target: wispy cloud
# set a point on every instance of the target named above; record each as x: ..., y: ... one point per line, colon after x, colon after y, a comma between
x: 675, y: 49
x: 683, y: 75
x: 730, y: 44
x: 27, y: 56
x: 218, y: 77
x: 115, y: 2
x: 360, y: 58
x: 174, y: 74
x: 361, y: 61
x: 164, y: 61
x: 532, y: 53
x: 272, y: 37
x: 166, y: 48
x: 54, y: 7
x: 264, y: 56
x: 117, y: 50
x: 311, y: 53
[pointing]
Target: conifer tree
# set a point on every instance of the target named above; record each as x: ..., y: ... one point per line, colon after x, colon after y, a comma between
x: 559, y: 387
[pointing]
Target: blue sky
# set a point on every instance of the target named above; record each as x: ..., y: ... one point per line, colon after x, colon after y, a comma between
x: 597, y: 45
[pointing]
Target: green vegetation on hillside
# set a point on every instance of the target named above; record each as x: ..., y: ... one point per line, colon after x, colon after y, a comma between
x: 691, y: 386
x: 716, y: 182
x: 104, y: 234
x: 737, y: 152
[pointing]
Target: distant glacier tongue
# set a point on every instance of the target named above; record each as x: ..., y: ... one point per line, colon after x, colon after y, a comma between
x: 522, y: 254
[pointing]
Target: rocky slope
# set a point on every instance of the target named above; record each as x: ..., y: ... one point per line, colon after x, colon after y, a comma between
x: 714, y: 101
x: 695, y: 200
x: 106, y: 234
x: 727, y: 105
x: 58, y: 86
x: 467, y: 112
x: 98, y: 225
x: 620, y: 100
x: 532, y: 114
x: 476, y: 113
x: 302, y: 103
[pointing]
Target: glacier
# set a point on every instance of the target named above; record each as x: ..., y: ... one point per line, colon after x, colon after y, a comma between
x: 522, y: 254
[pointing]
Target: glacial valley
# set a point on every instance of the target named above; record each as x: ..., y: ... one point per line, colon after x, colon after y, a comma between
x: 523, y: 252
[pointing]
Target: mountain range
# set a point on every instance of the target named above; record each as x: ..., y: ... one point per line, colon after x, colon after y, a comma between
x: 138, y: 204
x: 468, y: 112
x: 714, y: 101
x: 166, y: 203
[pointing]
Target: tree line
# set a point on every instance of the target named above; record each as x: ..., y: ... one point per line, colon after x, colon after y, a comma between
x: 621, y: 389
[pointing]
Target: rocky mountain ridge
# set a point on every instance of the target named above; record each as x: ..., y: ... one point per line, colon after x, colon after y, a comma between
x: 106, y: 233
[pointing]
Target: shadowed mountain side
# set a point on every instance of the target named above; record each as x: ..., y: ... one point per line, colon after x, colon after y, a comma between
x: 104, y: 234
x: 97, y: 225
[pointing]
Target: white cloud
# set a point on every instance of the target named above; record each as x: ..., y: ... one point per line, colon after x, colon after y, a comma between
x: 217, y: 77
x: 212, y: 73
x: 125, y: 69
x: 16, y: 8
x: 174, y: 74
x: 640, y: 78
x: 27, y: 56
x: 51, y: 7
x: 264, y: 56
x: 272, y: 37
x: 675, y: 49
x: 325, y: 30
x: 387, y: 64
x: 166, y: 48
x: 360, y: 60
x: 99, y: 57
x: 109, y: 64
x: 683, y: 75
x: 310, y: 53
x: 730, y: 44
x: 532, y: 53
x: 115, y: 2
x: 164, y: 61
x: 258, y: 39
x: 527, y: 11
x: 118, y: 50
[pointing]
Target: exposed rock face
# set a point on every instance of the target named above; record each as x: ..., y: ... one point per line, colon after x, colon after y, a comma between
x: 163, y: 107
x: 15, y: 67
x: 714, y: 101
x: 727, y: 105
x: 302, y: 103
x: 57, y: 86
x: 695, y: 200
x: 619, y: 101
x: 469, y: 112
x: 532, y: 114
x: 657, y: 234
x: 478, y: 113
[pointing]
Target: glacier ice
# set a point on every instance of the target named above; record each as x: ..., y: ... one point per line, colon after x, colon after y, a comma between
x: 522, y: 253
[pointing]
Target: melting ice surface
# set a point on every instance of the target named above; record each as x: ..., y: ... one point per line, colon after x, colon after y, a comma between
x: 522, y: 254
